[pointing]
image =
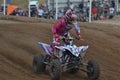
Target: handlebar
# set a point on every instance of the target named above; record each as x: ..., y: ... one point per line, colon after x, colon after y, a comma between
x: 71, y: 38
x: 79, y: 39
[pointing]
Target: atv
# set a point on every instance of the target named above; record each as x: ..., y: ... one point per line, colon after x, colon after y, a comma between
x: 65, y: 58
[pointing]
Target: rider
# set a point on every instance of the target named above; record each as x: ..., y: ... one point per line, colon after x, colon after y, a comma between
x: 64, y: 25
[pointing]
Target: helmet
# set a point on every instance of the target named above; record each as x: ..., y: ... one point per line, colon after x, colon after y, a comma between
x: 70, y: 16
x: 73, y: 17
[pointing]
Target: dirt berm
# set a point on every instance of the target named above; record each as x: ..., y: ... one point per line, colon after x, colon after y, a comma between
x: 18, y: 45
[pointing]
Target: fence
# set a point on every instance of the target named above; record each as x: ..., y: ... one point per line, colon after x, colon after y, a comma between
x: 52, y: 5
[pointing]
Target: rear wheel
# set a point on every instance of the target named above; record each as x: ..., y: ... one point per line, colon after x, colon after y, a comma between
x: 93, y: 70
x: 38, y: 65
x: 55, y: 70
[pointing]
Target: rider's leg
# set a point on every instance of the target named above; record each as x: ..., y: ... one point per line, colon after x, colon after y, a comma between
x: 56, y: 42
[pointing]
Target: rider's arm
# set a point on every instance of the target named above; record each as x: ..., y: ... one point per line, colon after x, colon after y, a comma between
x: 55, y: 27
x: 76, y: 27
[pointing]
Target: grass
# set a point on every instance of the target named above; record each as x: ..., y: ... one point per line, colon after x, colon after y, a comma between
x: 22, y: 3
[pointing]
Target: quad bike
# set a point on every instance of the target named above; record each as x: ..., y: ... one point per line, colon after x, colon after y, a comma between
x: 65, y: 58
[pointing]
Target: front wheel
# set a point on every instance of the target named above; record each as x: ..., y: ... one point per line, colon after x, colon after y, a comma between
x: 93, y: 70
x: 55, y: 70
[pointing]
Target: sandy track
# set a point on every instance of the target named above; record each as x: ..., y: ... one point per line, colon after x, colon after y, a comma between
x: 19, y: 44
x: 114, y: 21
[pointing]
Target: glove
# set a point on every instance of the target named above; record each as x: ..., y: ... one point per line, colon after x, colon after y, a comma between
x: 80, y: 37
x: 56, y: 35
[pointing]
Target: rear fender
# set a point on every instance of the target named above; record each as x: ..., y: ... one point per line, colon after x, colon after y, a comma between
x: 45, y: 47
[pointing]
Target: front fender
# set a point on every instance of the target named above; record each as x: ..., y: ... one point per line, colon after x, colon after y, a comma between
x: 83, y: 48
